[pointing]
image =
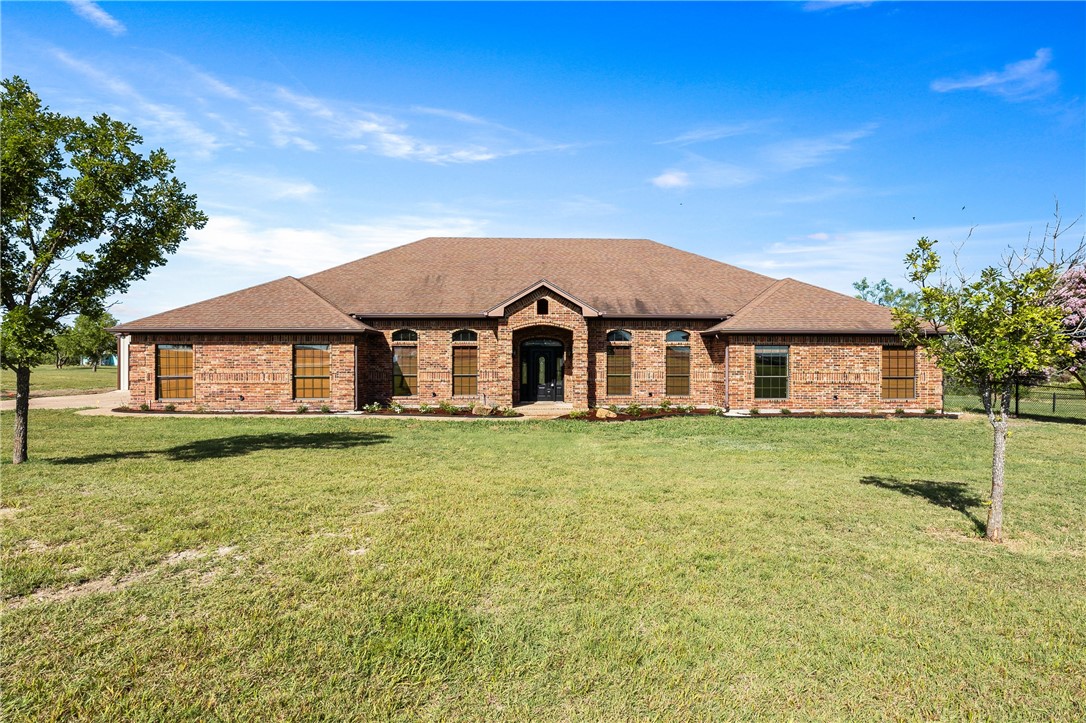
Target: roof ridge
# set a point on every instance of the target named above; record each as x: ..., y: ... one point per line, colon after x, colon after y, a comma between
x: 204, y: 301
x: 321, y: 296
x: 760, y: 298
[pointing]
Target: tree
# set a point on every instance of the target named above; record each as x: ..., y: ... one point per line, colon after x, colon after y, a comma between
x: 88, y: 338
x: 1071, y: 297
x: 992, y: 330
x: 83, y: 215
x: 883, y: 294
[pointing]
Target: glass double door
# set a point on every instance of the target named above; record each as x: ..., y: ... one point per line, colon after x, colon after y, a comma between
x: 542, y: 371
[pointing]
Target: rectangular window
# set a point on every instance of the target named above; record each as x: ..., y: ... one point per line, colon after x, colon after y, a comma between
x: 311, y: 375
x: 173, y: 371
x: 405, y: 371
x: 677, y: 383
x: 898, y: 373
x: 770, y: 372
x: 465, y: 370
x: 619, y: 371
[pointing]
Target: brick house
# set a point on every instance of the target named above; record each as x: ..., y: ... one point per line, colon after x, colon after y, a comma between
x: 506, y: 321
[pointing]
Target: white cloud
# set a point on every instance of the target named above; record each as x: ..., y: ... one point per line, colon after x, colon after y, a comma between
x: 711, y: 133
x: 167, y: 119
x: 269, y: 187
x: 798, y: 153
x: 818, y: 5
x: 672, y: 179
x: 234, y: 241
x: 95, y: 15
x: 1024, y: 80
x: 836, y: 259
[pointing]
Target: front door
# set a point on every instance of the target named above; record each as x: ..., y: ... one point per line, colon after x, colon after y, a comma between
x: 545, y: 366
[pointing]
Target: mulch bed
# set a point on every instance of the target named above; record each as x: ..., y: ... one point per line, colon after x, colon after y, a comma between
x: 382, y: 413
x: 773, y: 415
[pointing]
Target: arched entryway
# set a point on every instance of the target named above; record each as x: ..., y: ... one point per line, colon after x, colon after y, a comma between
x: 542, y: 370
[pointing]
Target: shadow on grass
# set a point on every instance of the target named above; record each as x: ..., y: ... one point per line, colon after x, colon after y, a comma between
x: 951, y: 495
x: 1051, y: 418
x: 237, y: 446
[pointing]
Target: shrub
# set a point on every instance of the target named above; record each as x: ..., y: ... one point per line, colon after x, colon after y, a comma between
x: 372, y: 407
x: 170, y: 408
x: 579, y: 414
x: 425, y: 408
x: 507, y: 412
x: 755, y: 410
x: 899, y: 412
x: 145, y: 407
x: 269, y: 410
x: 325, y: 409
x: 613, y: 408
x: 199, y: 409
x: 666, y: 404
x: 302, y: 408
x: 396, y: 408
x: 785, y: 410
x: 124, y: 407
x: 448, y: 407
x: 931, y: 410
x: 633, y: 409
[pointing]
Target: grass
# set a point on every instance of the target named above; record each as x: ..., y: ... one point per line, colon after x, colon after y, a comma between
x: 47, y: 380
x: 287, y: 568
x: 1070, y: 403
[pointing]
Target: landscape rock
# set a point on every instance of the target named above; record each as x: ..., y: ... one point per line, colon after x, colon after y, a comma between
x: 481, y: 410
x: 602, y: 413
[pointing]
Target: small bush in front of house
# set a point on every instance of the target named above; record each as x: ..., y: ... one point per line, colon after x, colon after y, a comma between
x: 302, y: 408
x: 755, y: 410
x: 170, y: 407
x: 507, y: 412
x: 666, y: 404
x: 425, y: 408
x: 785, y: 410
x: 145, y: 407
x: 200, y: 409
x: 633, y: 409
x: 931, y: 410
x: 372, y: 407
x: 579, y: 414
x: 269, y: 410
x: 325, y: 409
x: 899, y: 412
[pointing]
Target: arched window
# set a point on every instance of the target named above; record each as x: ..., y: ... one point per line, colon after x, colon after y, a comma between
x: 464, y: 335
x: 677, y: 335
x: 619, y: 335
x: 542, y: 307
x: 619, y: 363
x: 405, y: 335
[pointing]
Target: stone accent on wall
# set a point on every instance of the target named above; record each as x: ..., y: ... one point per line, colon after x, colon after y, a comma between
x: 243, y: 372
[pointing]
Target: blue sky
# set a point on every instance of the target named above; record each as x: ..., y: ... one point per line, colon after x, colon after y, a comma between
x: 816, y: 140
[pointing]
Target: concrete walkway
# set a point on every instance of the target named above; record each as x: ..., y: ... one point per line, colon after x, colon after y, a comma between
x: 98, y: 403
x: 102, y: 405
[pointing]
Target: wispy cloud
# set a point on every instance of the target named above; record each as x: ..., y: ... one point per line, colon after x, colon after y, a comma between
x: 797, y: 153
x: 711, y: 133
x: 819, y: 5
x: 774, y: 159
x: 234, y: 241
x: 1020, y: 81
x: 95, y: 15
x: 836, y: 259
x: 167, y: 119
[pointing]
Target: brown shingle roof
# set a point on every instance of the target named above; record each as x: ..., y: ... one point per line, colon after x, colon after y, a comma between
x: 284, y: 305
x: 468, y: 276
x: 791, y: 306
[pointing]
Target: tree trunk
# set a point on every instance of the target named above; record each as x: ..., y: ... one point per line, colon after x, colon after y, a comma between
x: 994, y: 528
x: 22, y: 414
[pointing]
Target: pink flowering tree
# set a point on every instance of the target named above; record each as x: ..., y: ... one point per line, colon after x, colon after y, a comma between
x: 1070, y: 295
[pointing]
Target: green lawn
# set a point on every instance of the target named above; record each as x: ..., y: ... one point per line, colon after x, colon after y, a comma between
x: 280, y: 568
x: 47, y: 380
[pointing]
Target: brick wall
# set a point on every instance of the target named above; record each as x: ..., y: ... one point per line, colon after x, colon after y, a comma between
x: 829, y: 373
x: 648, y: 357
x: 258, y: 367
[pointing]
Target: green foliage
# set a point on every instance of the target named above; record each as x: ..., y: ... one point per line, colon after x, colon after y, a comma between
x: 170, y: 408
x: 785, y: 411
x: 83, y: 215
x: 88, y: 339
x: 996, y: 327
x: 325, y: 409
x: 302, y: 408
x: 884, y: 294
x: 579, y: 414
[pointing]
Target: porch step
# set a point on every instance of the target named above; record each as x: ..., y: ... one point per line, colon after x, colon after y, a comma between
x: 544, y: 410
